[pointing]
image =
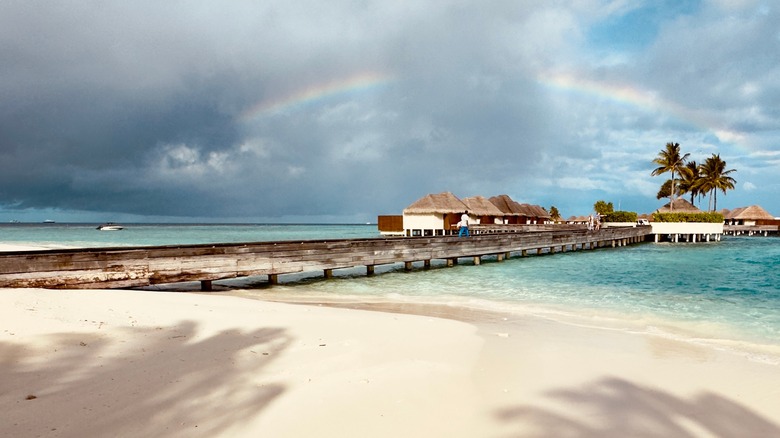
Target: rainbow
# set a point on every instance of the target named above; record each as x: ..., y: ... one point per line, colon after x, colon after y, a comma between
x: 645, y: 100
x: 357, y: 83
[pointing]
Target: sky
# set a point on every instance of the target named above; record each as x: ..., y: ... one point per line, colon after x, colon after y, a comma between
x: 340, y: 111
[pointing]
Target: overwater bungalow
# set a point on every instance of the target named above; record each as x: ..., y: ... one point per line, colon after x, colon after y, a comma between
x: 535, y: 214
x: 753, y: 220
x: 750, y: 216
x: 518, y: 214
x: 685, y: 231
x: 483, y: 210
x: 513, y: 213
x: 577, y: 220
x: 434, y: 215
x: 680, y: 206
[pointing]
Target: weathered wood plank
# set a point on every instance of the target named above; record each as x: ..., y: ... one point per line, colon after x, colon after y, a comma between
x: 127, y: 267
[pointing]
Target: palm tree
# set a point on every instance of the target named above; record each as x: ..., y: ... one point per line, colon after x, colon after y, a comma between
x: 689, y: 179
x: 670, y: 160
x: 714, y: 177
x: 555, y: 215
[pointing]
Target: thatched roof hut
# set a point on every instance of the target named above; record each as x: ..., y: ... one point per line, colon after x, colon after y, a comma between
x: 754, y: 212
x: 751, y: 216
x: 577, y: 220
x: 680, y: 206
x: 437, y: 203
x: 515, y: 211
x: 536, y: 211
x: 481, y: 206
x: 507, y: 205
x: 433, y: 215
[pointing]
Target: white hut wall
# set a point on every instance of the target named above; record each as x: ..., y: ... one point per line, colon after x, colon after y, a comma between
x: 429, y: 224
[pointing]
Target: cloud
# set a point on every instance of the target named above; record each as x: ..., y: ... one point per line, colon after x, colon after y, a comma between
x: 311, y: 109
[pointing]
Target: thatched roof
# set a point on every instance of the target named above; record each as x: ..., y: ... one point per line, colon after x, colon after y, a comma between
x: 480, y: 206
x: 510, y: 207
x: 751, y: 213
x: 507, y: 205
x: 527, y: 210
x: 680, y: 206
x: 437, y: 203
x: 535, y: 211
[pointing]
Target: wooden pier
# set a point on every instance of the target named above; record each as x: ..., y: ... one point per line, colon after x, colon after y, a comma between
x: 125, y: 267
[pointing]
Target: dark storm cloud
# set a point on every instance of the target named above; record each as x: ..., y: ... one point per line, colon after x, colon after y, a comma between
x: 108, y: 106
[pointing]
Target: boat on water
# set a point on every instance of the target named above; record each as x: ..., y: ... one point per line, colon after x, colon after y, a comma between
x: 110, y: 226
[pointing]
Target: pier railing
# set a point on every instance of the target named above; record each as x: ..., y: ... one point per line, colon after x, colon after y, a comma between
x: 122, y: 267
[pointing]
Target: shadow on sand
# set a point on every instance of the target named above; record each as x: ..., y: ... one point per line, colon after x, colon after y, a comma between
x: 176, y: 383
x: 619, y: 408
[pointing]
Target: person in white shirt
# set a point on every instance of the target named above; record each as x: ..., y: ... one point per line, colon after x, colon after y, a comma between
x: 463, y: 225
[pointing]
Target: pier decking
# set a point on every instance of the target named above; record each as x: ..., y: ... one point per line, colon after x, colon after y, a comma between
x: 124, y: 267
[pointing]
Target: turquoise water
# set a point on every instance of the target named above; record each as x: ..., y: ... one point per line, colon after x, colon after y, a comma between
x: 86, y: 235
x: 727, y: 290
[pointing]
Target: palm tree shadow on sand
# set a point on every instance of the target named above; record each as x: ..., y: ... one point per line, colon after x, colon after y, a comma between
x: 620, y: 408
x: 174, y: 384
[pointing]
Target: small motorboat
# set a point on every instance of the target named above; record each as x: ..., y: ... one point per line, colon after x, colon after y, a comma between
x: 110, y: 226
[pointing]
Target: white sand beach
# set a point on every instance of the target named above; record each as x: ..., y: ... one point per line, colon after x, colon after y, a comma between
x: 147, y: 363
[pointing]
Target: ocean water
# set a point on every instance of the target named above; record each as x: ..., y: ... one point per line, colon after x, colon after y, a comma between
x: 86, y: 235
x: 723, y: 293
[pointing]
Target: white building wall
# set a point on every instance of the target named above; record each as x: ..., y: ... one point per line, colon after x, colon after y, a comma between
x: 686, y: 228
x: 423, y: 221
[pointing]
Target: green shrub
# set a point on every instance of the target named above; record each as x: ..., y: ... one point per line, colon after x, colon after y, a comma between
x: 708, y: 217
x: 620, y: 216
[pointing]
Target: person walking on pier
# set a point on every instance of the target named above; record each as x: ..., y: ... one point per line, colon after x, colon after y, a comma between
x: 463, y: 225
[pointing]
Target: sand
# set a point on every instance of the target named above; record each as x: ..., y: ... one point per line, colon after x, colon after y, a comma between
x: 166, y: 364
x: 150, y: 363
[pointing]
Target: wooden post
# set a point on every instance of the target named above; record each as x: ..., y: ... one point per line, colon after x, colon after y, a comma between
x: 273, y: 278
x: 500, y: 257
x: 408, y: 266
x: 370, y: 270
x: 477, y: 260
x: 450, y: 263
x: 524, y: 253
x: 205, y: 285
x: 427, y: 264
x: 328, y: 273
